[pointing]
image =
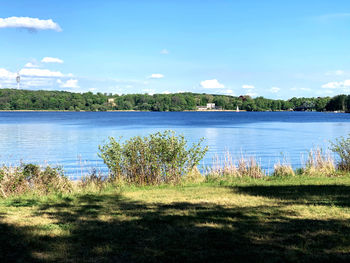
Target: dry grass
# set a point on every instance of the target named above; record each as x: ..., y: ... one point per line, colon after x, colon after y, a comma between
x: 320, y: 163
x: 283, y: 169
x: 227, y: 168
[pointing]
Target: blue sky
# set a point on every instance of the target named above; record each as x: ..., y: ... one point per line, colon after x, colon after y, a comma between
x: 262, y: 48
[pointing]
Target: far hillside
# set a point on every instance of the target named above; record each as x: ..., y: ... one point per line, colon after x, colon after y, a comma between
x: 12, y: 99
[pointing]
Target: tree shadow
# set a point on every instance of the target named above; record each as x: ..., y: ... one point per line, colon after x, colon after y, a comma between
x: 112, y: 228
x: 338, y: 195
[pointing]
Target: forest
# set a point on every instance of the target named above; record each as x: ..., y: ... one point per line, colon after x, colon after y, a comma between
x: 13, y: 99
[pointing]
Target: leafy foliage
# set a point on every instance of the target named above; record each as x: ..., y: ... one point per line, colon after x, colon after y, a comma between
x: 342, y: 148
x: 11, y: 99
x: 30, y: 177
x: 157, y: 158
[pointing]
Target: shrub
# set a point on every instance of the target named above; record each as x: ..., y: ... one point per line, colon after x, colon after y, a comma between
x: 342, y: 148
x: 30, y: 177
x: 154, y: 159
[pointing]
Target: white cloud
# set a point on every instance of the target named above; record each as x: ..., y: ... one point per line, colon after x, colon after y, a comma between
x: 70, y: 83
x: 29, y: 82
x: 336, y: 84
x: 35, y: 72
x: 156, y: 76
x: 30, y: 65
x: 248, y: 87
x: 331, y: 85
x: 166, y: 92
x: 5, y: 74
x: 32, y: 24
x: 274, y: 89
x: 164, y: 51
x: 211, y: 84
x: 51, y: 60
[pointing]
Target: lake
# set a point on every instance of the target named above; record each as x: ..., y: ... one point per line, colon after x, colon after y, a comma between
x: 71, y: 139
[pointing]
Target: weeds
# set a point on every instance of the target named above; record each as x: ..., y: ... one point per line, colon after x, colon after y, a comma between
x: 32, y: 178
x: 319, y: 163
x: 226, y: 168
x: 283, y: 170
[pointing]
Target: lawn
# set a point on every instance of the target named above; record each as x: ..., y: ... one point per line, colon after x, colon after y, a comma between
x: 292, y: 219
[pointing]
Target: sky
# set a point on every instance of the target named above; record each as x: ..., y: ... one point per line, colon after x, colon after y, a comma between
x: 275, y: 49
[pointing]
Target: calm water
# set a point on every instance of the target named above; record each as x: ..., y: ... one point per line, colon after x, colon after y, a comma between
x: 71, y: 139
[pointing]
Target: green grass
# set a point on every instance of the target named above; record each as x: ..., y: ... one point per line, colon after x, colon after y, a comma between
x: 291, y: 219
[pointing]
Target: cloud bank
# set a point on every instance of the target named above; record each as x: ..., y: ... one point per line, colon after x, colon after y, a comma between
x: 336, y: 84
x: 35, y: 72
x: 29, y: 23
x: 30, y: 65
x: 71, y: 83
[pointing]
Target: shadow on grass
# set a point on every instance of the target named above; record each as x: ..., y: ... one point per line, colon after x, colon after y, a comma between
x: 338, y: 195
x: 111, y: 228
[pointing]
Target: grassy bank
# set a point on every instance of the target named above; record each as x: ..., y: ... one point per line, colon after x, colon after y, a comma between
x: 272, y: 219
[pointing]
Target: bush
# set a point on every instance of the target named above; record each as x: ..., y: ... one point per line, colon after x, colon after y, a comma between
x: 157, y: 158
x: 30, y: 177
x: 342, y: 148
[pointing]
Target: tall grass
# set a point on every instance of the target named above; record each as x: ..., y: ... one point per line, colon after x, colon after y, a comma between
x: 319, y: 163
x: 228, y: 167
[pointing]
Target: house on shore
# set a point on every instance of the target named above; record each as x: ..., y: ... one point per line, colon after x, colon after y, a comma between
x: 210, y: 106
x: 111, y: 101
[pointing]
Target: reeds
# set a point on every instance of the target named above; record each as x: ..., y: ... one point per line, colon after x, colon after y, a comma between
x: 319, y: 163
x: 227, y: 167
x: 16, y: 180
x: 283, y: 169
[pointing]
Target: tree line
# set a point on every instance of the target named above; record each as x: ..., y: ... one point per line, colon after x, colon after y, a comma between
x: 12, y: 99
